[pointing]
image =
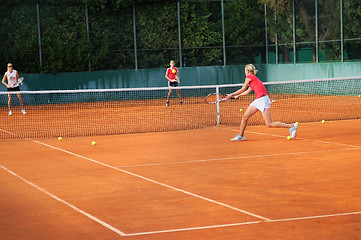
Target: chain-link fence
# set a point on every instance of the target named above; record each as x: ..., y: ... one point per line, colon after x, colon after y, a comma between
x: 67, y: 38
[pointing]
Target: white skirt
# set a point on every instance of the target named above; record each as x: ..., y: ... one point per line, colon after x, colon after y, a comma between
x: 262, y: 103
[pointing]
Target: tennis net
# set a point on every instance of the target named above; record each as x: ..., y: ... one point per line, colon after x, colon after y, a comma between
x: 71, y: 113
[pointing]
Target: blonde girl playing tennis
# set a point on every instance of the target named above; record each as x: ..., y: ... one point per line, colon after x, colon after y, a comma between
x: 262, y: 103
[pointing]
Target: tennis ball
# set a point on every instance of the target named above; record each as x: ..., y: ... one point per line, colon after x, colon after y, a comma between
x: 241, y: 109
x: 289, y: 138
x: 359, y: 95
x: 323, y: 121
x: 174, y: 71
x: 297, y: 123
x: 93, y: 143
x: 60, y: 138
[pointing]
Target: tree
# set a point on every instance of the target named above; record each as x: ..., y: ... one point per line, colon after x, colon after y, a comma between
x: 280, y: 25
x: 352, y: 28
x: 328, y: 23
x: 244, y: 26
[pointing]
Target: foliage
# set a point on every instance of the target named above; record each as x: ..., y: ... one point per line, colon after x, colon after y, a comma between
x: 66, y: 47
x: 244, y: 26
x: 328, y: 25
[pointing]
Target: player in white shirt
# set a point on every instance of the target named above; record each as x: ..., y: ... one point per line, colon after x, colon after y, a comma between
x: 13, y: 85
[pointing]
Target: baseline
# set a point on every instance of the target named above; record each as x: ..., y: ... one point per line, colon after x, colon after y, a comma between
x: 244, y: 223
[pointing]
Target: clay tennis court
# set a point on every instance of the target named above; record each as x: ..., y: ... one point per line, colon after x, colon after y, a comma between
x: 192, y: 184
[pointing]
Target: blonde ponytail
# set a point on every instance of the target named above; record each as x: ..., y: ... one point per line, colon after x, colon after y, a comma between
x: 251, y: 69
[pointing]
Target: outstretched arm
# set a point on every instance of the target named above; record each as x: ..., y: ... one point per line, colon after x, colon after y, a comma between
x: 248, y: 91
x: 240, y: 91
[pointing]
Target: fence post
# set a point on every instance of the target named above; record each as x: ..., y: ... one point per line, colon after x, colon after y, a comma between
x: 223, y: 35
x: 265, y: 32
x: 217, y: 105
x: 88, y: 35
x: 179, y: 35
x: 135, y: 39
x: 294, y: 31
x: 316, y: 29
x: 276, y: 36
x: 39, y: 37
x: 341, y: 25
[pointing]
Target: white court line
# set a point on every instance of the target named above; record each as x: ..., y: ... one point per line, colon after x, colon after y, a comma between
x: 149, y: 180
x: 274, y: 135
x: 314, y: 217
x: 243, y: 223
x: 193, y: 228
x: 104, y: 224
x: 231, y: 158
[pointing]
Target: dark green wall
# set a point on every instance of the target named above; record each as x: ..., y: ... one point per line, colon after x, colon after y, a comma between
x: 287, y: 72
x: 192, y: 76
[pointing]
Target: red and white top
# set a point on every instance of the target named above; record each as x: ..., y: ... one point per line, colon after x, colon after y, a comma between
x: 257, y: 86
x: 170, y: 73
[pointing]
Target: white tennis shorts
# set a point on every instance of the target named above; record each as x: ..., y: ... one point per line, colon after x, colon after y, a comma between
x: 261, y: 103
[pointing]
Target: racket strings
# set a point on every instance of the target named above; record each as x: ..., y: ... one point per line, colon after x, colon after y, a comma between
x: 214, y: 97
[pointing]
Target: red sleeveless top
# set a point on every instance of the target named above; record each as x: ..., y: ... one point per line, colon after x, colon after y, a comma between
x: 257, y: 86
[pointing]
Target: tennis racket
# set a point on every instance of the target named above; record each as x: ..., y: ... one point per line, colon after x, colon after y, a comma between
x: 20, y: 81
x: 215, y: 98
x: 177, y: 79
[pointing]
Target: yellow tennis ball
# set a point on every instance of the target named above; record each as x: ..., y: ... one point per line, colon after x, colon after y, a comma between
x: 60, y: 138
x: 241, y: 109
x: 359, y: 95
x: 323, y: 121
x: 297, y: 123
x: 174, y: 71
x: 289, y: 138
x: 93, y: 143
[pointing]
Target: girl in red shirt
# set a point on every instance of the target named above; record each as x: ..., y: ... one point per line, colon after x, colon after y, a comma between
x: 171, y: 74
x: 261, y: 103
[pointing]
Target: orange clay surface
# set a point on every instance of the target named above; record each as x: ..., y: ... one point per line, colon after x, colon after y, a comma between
x: 185, y: 185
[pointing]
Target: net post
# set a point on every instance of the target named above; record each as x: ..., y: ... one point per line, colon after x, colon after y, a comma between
x: 218, y: 111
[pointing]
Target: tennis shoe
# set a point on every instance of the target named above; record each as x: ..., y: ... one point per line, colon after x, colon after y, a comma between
x: 167, y: 104
x: 23, y: 111
x: 238, y: 138
x: 10, y: 113
x: 293, y: 130
x: 181, y: 103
